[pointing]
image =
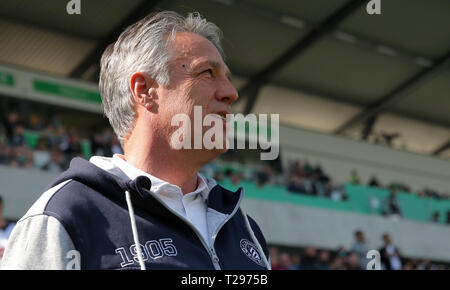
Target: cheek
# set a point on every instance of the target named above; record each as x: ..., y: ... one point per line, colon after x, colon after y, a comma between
x: 201, y: 92
x: 174, y: 104
x: 185, y: 99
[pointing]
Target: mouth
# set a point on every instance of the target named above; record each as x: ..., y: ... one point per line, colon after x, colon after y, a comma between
x: 222, y: 115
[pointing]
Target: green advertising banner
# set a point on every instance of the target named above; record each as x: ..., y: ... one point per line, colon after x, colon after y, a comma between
x: 67, y: 91
x: 7, y: 79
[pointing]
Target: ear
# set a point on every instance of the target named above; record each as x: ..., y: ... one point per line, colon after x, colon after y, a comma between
x: 143, y: 89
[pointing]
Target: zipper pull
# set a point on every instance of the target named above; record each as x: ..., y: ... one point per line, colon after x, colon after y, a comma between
x: 214, y: 256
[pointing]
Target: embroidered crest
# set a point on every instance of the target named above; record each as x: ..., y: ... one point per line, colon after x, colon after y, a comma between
x: 250, y: 250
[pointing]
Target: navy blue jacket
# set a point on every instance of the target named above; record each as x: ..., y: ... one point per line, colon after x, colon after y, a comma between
x: 93, y: 210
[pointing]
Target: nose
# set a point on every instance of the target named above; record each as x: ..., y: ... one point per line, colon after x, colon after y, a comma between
x: 226, y: 92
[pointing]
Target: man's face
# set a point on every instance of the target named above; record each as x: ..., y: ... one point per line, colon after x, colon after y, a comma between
x: 198, y: 77
x: 359, y: 237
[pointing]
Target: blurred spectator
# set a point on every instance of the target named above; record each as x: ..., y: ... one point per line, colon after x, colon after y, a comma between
x: 431, y: 193
x: 22, y: 156
x: 263, y: 175
x: 324, y: 260
x: 73, y: 146
x: 353, y: 262
x: 309, y: 261
x: 296, y: 169
x: 285, y: 261
x: 338, y: 193
x: 424, y: 265
x: 399, y: 187
x: 236, y: 177
x: 435, y: 218
x: 392, y: 205
x: 448, y: 217
x: 6, y: 153
x: 321, y: 182
x: 218, y: 176
x: 105, y: 144
x: 374, y: 182
x: 361, y: 248
x: 18, y: 137
x: 41, y: 155
x: 97, y: 144
x: 409, y: 266
x: 36, y: 122
x: 295, y: 185
x: 50, y: 135
x: 374, y: 204
x: 5, y: 229
x: 308, y: 184
x: 296, y: 261
x: 341, y: 252
x: 275, y: 258
x: 56, y: 163
x: 115, y: 146
x: 228, y: 172
x: 10, y: 123
x: 208, y: 170
x: 307, y: 168
x: 318, y: 170
x: 338, y: 263
x: 354, y: 178
x: 390, y: 255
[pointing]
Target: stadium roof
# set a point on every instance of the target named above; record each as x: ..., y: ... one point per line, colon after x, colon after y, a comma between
x: 325, y: 65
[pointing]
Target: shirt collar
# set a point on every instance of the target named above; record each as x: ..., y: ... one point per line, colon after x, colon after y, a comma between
x: 159, y: 186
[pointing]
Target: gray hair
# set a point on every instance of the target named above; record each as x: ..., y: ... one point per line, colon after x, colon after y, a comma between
x: 144, y: 47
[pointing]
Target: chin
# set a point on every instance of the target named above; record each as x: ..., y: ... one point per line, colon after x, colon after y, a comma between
x: 221, y: 151
x: 212, y: 154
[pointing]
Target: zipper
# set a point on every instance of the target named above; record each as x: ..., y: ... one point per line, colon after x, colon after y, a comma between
x: 212, y: 253
x: 213, y: 238
x: 215, y: 259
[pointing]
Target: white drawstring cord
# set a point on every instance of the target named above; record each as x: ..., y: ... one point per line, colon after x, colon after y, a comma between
x: 133, y: 228
x: 138, y: 248
x: 255, y: 240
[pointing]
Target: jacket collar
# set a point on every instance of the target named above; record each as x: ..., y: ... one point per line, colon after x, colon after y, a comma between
x: 114, y: 186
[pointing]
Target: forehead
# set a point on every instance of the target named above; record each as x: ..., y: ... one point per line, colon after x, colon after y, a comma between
x: 195, y: 49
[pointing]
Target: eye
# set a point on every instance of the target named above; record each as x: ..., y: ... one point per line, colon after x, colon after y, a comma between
x: 207, y: 71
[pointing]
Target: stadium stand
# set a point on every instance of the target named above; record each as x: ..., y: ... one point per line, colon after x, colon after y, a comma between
x: 53, y: 148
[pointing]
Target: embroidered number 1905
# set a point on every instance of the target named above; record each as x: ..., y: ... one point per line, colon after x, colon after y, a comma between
x: 153, y: 249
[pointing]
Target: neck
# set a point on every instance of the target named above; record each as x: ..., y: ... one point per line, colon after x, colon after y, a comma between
x: 158, y: 159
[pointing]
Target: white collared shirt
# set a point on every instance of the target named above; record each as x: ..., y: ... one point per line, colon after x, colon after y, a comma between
x: 191, y: 206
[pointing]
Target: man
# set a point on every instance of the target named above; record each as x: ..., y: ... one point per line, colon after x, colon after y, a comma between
x: 5, y: 230
x: 148, y: 208
x: 309, y: 261
x: 361, y: 248
x: 324, y: 260
x: 390, y: 255
x: 392, y: 204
